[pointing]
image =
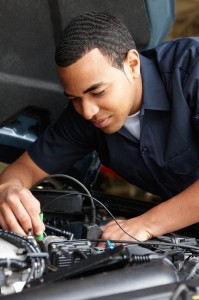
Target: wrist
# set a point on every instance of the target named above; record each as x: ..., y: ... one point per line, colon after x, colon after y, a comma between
x: 11, y: 184
x: 149, y: 225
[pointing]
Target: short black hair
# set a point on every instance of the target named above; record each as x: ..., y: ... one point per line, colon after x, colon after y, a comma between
x: 92, y: 30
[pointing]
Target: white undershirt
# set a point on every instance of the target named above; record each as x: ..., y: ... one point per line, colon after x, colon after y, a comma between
x: 132, y: 123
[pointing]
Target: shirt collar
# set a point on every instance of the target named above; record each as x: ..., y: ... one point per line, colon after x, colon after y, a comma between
x: 154, y: 93
x: 154, y: 96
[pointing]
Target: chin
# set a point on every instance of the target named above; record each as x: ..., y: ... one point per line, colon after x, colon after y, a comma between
x: 110, y: 130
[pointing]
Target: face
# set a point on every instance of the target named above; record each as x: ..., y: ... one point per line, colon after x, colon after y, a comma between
x: 100, y: 93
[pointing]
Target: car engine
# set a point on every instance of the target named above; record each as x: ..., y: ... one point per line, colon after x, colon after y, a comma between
x: 68, y: 251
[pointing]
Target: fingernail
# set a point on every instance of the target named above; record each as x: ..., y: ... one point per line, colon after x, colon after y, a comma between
x: 39, y: 232
x: 40, y: 236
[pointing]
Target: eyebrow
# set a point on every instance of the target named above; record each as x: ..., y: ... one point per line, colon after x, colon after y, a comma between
x: 91, y: 88
x: 94, y: 87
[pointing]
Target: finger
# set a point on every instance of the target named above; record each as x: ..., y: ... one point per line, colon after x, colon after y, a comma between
x: 38, y: 225
x: 3, y: 224
x: 111, y: 231
x: 32, y: 206
x: 112, y: 224
x: 115, y: 233
x: 108, y: 236
x: 102, y: 244
x: 10, y: 222
x: 14, y: 213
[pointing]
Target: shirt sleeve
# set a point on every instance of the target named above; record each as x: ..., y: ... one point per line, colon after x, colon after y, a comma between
x: 63, y: 143
x: 191, y: 91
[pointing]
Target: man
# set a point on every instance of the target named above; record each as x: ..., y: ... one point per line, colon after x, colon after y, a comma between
x: 139, y: 112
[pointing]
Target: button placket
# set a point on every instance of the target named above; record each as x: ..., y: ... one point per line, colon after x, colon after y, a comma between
x: 145, y: 150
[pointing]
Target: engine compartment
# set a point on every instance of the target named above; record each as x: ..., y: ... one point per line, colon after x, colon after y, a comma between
x: 67, y: 256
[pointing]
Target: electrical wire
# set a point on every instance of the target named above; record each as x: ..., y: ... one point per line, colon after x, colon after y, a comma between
x: 150, y: 243
x: 96, y: 200
x: 37, y: 260
x: 136, y: 241
x: 92, y: 199
x: 88, y: 194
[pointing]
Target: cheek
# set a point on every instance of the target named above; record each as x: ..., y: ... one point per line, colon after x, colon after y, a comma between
x: 118, y: 98
x: 109, y: 103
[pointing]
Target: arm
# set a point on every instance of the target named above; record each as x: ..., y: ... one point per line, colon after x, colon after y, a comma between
x: 19, y: 209
x: 171, y: 215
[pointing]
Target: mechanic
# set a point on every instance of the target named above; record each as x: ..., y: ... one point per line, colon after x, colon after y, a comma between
x: 140, y: 112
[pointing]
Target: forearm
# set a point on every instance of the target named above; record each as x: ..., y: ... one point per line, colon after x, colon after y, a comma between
x: 16, y: 174
x: 175, y: 213
x: 23, y: 172
x: 171, y: 215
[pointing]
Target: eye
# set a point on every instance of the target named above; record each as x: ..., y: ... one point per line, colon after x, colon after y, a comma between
x: 98, y: 94
x: 73, y: 99
x: 70, y: 98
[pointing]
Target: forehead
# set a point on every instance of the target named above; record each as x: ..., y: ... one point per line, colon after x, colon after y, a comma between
x: 89, y: 69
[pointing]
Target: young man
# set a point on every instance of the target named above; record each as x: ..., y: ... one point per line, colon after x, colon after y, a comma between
x: 139, y: 112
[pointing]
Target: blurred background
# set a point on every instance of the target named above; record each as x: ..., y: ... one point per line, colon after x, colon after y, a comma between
x: 187, y: 19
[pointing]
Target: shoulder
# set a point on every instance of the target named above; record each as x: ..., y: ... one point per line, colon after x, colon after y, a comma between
x: 178, y: 53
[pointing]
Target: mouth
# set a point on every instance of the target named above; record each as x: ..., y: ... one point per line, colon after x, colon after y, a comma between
x: 101, y: 122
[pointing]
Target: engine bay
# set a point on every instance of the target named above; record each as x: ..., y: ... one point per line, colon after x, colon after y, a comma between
x: 67, y: 255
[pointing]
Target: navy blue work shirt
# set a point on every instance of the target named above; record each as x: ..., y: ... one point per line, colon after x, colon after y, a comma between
x: 166, y: 158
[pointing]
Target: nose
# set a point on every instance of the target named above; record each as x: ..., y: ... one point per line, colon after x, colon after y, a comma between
x: 88, y: 109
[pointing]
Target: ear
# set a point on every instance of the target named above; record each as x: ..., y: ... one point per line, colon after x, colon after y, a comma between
x: 132, y: 62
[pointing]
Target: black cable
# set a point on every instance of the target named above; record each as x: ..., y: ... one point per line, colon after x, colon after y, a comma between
x: 14, y: 264
x: 67, y: 234
x: 30, y: 245
x: 145, y: 258
x: 151, y: 243
x: 144, y: 242
x: 79, y: 193
x: 88, y: 194
x: 115, y: 219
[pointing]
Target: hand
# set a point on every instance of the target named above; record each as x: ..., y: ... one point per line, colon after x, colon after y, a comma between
x: 134, y: 227
x: 19, y: 210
